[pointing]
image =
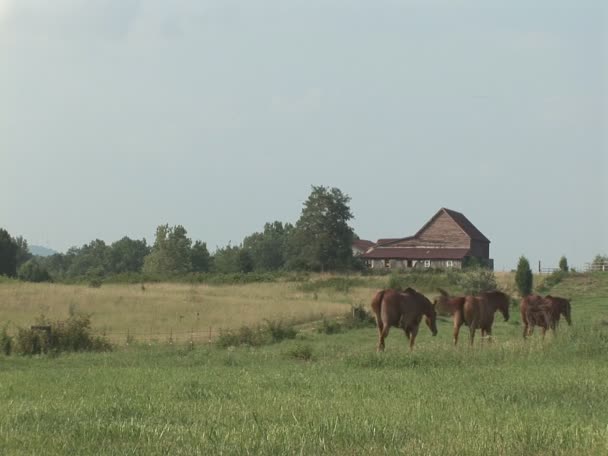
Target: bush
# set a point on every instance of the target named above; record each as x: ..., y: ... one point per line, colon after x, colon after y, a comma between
x: 95, y: 283
x: 329, y: 327
x: 563, y: 264
x: 271, y: 332
x: 71, y: 335
x: 302, y: 353
x: 359, y: 317
x: 33, y: 271
x: 476, y: 281
x: 6, y: 342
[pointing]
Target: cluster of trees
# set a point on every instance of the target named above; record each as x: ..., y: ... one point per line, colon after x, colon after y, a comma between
x: 320, y: 240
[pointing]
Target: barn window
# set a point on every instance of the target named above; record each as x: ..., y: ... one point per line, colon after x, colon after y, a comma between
x: 387, y: 263
x: 449, y: 264
x: 427, y: 263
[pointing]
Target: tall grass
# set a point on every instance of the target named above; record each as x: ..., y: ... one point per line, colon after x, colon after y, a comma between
x: 317, y: 395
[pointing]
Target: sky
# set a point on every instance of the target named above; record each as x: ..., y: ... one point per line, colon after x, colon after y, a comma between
x: 117, y: 116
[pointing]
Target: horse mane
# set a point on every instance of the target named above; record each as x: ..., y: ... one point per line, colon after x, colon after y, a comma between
x: 410, y: 290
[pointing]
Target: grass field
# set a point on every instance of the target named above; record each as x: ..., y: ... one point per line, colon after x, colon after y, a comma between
x: 322, y: 394
x: 179, y: 311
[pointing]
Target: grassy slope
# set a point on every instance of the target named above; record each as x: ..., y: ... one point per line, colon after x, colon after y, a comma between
x: 508, y: 398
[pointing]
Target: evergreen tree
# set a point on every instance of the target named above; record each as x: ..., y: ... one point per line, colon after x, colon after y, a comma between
x: 523, y: 277
x: 563, y: 264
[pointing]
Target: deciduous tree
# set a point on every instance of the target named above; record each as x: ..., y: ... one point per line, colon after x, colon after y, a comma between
x: 322, y: 239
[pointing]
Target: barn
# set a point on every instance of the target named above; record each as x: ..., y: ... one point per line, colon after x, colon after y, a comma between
x: 447, y: 240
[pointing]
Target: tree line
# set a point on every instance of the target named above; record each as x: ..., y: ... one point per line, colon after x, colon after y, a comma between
x: 320, y: 240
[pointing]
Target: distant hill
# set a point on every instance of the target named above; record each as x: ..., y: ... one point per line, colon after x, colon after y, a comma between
x: 41, y: 251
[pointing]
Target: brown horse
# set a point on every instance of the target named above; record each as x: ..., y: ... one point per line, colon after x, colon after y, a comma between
x: 402, y: 310
x: 535, y: 311
x: 543, y: 312
x: 559, y: 306
x: 474, y: 311
x: 452, y: 306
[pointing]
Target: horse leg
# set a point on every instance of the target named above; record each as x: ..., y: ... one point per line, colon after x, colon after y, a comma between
x: 472, y: 329
x: 526, y: 329
x: 457, y: 325
x: 489, y: 335
x: 381, y: 336
x: 413, y: 334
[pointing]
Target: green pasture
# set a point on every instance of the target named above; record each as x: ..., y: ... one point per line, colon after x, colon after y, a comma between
x: 325, y: 394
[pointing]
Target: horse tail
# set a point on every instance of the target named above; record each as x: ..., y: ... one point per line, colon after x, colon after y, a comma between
x: 377, y: 302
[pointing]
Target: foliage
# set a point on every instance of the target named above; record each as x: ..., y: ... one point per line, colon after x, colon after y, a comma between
x: 329, y: 326
x: 322, y: 239
x: 127, y: 255
x: 599, y: 261
x: 23, y: 251
x: 359, y: 317
x: 302, y: 352
x: 268, y: 249
x: 232, y: 259
x: 70, y: 335
x: 475, y: 263
x: 268, y: 333
x: 171, y: 252
x: 476, y: 281
x: 91, y: 260
x: 6, y: 341
x: 552, y: 280
x: 563, y: 264
x: 8, y: 254
x: 200, y: 257
x: 33, y: 271
x: 523, y: 277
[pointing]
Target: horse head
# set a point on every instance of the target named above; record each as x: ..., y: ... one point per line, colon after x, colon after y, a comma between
x: 501, y: 301
x: 565, y: 310
x: 430, y: 317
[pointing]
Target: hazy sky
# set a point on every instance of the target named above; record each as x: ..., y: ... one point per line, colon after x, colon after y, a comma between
x: 120, y: 115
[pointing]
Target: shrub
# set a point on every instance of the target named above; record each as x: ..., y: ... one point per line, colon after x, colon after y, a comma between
x: 563, y: 264
x: 6, y: 342
x: 359, y: 317
x: 278, y: 331
x: 95, y: 283
x: 271, y: 332
x: 476, y: 281
x: 329, y: 327
x: 302, y: 352
x: 71, y: 335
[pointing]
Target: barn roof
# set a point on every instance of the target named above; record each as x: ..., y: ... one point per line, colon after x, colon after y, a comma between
x: 363, y: 244
x: 463, y: 222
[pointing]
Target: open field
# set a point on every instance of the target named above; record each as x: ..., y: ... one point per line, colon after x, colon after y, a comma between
x: 182, y: 312
x: 323, y: 394
x: 172, y: 310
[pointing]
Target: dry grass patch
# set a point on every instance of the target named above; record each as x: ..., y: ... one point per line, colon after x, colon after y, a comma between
x: 166, y: 311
